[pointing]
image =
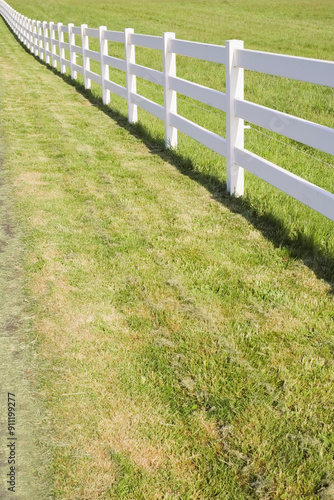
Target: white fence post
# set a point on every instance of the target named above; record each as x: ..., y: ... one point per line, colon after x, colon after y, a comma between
x: 61, y: 49
x: 10, y: 15
x: 27, y: 20
x: 23, y: 30
x: 104, y: 67
x: 12, y: 19
x: 19, y: 28
x: 46, y: 44
x: 29, y: 28
x: 40, y: 41
x: 73, y: 55
x: 52, y: 44
x: 234, y: 125
x: 169, y: 68
x: 27, y: 34
x: 31, y: 36
x: 34, y: 31
x: 28, y: 25
x: 16, y: 24
x: 33, y: 39
x: 131, y: 83
x: 85, y: 59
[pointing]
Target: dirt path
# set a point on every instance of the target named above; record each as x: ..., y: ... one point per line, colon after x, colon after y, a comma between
x: 17, y: 365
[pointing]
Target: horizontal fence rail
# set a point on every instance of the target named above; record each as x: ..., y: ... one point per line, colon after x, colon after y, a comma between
x: 46, y: 40
x: 297, y: 68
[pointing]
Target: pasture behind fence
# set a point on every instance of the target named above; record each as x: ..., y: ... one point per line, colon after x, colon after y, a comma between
x: 46, y: 40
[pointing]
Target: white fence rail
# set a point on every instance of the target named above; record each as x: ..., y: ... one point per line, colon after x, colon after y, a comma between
x: 46, y: 40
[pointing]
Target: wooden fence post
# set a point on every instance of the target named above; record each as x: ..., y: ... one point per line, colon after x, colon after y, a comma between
x: 104, y: 67
x: 85, y: 59
x: 131, y: 83
x: 169, y: 68
x: 61, y: 49
x: 234, y: 125
x: 73, y: 55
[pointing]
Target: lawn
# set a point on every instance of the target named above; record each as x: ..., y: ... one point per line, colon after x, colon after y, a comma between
x: 185, y: 338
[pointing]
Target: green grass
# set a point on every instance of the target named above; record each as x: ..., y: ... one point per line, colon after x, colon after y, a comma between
x: 299, y: 28
x: 185, y: 338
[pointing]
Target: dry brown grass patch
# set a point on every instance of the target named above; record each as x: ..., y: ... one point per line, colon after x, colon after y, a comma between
x: 120, y: 431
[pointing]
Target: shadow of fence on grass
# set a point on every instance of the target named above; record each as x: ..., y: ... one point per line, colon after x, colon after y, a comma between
x: 299, y: 247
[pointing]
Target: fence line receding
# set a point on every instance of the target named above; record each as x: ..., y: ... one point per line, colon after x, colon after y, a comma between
x: 40, y: 38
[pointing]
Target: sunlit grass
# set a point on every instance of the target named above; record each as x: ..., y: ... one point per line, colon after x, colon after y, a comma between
x: 185, y: 338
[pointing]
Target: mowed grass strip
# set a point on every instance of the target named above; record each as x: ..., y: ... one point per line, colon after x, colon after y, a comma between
x: 26, y: 462
x: 183, y: 354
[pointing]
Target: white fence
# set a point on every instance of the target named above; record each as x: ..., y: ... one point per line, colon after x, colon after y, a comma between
x: 40, y: 38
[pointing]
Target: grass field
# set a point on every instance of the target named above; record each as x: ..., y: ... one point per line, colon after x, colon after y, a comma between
x: 185, y: 338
